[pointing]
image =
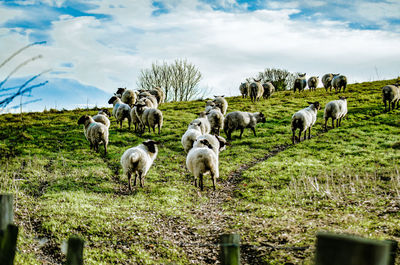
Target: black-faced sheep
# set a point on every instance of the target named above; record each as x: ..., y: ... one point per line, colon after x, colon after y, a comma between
x: 221, y: 103
x: 121, y: 111
x: 95, y: 132
x: 150, y: 117
x: 216, y: 119
x: 189, y: 137
x: 239, y: 120
x: 327, y: 81
x: 102, y: 117
x: 339, y: 82
x: 244, y: 89
x: 269, y: 89
x: 391, y: 94
x: 304, y: 119
x: 256, y: 90
x: 127, y: 96
x: 300, y: 83
x: 337, y: 110
x: 312, y: 83
x: 138, y: 160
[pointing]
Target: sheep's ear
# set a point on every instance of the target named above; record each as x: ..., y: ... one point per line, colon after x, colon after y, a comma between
x: 222, y: 96
x: 310, y: 102
x: 199, y: 124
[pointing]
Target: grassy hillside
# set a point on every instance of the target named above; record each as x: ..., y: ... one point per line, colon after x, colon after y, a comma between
x: 276, y: 195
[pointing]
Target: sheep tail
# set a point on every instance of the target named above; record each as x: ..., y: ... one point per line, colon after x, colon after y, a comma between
x: 134, y: 158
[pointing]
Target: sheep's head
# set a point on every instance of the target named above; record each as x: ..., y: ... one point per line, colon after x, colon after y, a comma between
x: 120, y: 90
x: 260, y: 117
x: 83, y: 119
x: 342, y: 97
x: 222, y: 142
x: 316, y: 105
x: 151, y: 145
x: 206, y: 143
x: 112, y: 99
x: 302, y: 75
x: 195, y: 123
x: 202, y: 114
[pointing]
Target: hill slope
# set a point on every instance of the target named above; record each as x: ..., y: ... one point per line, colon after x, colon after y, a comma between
x: 276, y: 195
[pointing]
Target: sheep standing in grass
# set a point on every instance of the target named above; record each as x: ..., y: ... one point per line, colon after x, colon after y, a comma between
x: 337, y: 110
x: 204, y: 158
x: 102, y: 117
x: 190, y: 136
x: 221, y: 103
x: 205, y: 126
x: 312, y: 83
x: 149, y: 117
x: 239, y: 120
x: 268, y: 90
x: 300, y: 83
x: 304, y: 119
x: 339, y: 82
x: 327, y: 81
x: 121, y: 111
x: 158, y: 93
x: 391, y: 94
x: 95, y: 132
x: 209, y: 105
x: 134, y: 118
x: 256, y: 90
x: 216, y: 119
x: 244, y: 89
x: 145, y: 95
x: 138, y: 160
x: 127, y: 96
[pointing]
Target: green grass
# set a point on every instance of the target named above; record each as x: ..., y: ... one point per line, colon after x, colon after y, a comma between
x: 344, y: 180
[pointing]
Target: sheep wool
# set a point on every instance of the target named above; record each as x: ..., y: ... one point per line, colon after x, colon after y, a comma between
x: 190, y: 136
x: 269, y: 89
x: 327, y: 81
x: 121, y: 111
x: 138, y: 160
x: 221, y: 103
x: 339, y: 82
x: 312, y: 83
x: 239, y: 120
x: 95, y: 132
x: 337, y: 110
x: 102, y: 117
x: 300, y: 83
x: 304, y: 119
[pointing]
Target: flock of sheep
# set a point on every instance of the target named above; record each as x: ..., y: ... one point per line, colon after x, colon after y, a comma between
x: 202, y: 141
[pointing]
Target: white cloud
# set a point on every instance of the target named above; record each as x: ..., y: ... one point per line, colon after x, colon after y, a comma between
x: 226, y: 46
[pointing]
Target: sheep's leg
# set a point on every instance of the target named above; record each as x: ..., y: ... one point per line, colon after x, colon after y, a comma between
x: 393, y: 105
x: 309, y: 133
x: 300, y: 136
x: 129, y: 181
x: 159, y: 129
x: 293, y: 136
x: 241, y: 132
x: 326, y: 121
x: 254, y: 131
x: 134, y: 180
x: 201, y: 182
x: 105, y: 148
x: 195, y: 181
x: 129, y: 123
x: 141, y: 179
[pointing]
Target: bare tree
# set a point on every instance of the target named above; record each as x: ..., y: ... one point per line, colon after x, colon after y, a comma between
x: 280, y: 78
x: 179, y: 80
x: 8, y: 94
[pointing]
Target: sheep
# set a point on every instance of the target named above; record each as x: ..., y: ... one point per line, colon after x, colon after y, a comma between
x: 300, y: 83
x: 216, y: 119
x: 244, y: 89
x: 153, y: 99
x: 391, y: 94
x: 102, y: 117
x: 337, y: 110
x: 221, y: 103
x: 205, y: 126
x: 256, y: 90
x: 150, y: 117
x: 158, y: 93
x: 304, y: 119
x: 121, y: 111
x: 209, y: 105
x: 268, y: 90
x: 327, y: 81
x: 138, y: 160
x: 134, y: 118
x: 339, y: 82
x: 204, y: 158
x: 313, y: 82
x: 190, y: 136
x: 127, y: 96
x: 241, y: 120
x: 95, y: 132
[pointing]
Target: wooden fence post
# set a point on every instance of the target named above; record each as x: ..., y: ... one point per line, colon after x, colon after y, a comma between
x: 6, y: 210
x: 230, y: 249
x: 8, y: 245
x: 333, y: 249
x: 75, y: 251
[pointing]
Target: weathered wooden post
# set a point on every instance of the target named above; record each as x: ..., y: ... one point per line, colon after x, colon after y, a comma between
x: 334, y: 249
x: 230, y: 249
x: 6, y: 210
x: 75, y: 251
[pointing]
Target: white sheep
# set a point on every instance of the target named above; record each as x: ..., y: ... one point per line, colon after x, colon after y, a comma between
x: 204, y: 158
x: 205, y: 126
x: 327, y: 81
x: 337, y: 110
x: 216, y: 119
x: 102, y: 117
x: 269, y: 89
x: 95, y: 132
x: 190, y: 136
x: 127, y: 96
x: 158, y: 93
x: 134, y: 118
x: 121, y: 111
x: 239, y: 120
x: 300, y: 83
x: 304, y: 119
x: 209, y: 105
x: 138, y: 160
x: 256, y: 90
x: 312, y: 82
x: 150, y: 117
x: 339, y: 82
x: 244, y: 89
x: 221, y: 103
x: 147, y: 96
x: 391, y: 94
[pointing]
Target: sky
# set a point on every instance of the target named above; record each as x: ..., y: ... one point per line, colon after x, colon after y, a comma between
x: 105, y: 44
